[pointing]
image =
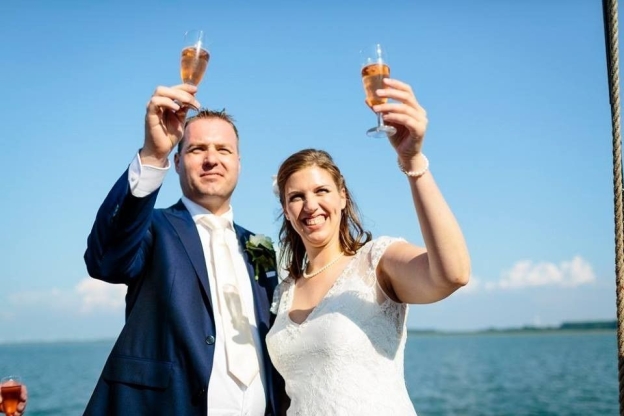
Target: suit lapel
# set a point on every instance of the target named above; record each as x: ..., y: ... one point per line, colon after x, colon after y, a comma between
x: 182, y: 222
x: 261, y: 301
x: 261, y: 307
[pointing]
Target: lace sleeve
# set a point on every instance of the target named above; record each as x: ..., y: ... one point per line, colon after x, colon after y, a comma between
x: 375, y: 250
x: 277, y: 295
x: 378, y: 248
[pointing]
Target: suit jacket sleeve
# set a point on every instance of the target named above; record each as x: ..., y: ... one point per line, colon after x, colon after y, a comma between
x: 120, y: 237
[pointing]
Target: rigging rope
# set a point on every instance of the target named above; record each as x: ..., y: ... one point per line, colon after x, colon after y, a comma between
x: 610, y: 17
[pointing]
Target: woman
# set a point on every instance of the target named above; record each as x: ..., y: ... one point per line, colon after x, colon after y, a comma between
x: 339, y: 336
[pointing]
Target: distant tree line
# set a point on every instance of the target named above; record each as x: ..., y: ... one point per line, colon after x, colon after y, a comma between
x: 566, y: 326
x: 589, y: 325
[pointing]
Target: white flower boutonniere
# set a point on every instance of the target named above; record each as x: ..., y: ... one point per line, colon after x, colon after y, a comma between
x: 260, y: 249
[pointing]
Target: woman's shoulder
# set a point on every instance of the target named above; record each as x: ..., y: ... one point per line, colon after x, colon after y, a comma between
x: 380, y: 243
x: 374, y: 249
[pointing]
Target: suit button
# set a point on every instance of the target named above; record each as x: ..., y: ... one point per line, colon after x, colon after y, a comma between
x: 199, y: 394
x: 210, y: 340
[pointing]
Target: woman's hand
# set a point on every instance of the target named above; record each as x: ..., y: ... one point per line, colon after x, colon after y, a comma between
x: 406, y: 115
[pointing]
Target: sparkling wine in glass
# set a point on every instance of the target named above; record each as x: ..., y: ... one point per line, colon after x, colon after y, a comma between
x: 374, y: 69
x: 194, y: 58
x: 11, y: 390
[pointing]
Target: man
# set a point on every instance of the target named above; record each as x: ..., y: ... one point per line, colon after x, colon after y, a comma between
x: 188, y: 314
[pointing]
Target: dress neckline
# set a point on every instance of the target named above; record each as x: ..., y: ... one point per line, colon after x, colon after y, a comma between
x: 291, y: 293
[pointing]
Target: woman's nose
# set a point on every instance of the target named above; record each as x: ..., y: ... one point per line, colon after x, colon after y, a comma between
x: 310, y: 204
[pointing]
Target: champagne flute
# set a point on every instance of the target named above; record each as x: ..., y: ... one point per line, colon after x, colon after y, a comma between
x: 11, y: 390
x: 374, y: 69
x: 195, y: 57
x: 193, y: 61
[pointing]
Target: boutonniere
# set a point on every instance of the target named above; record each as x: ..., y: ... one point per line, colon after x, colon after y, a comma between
x: 260, y: 249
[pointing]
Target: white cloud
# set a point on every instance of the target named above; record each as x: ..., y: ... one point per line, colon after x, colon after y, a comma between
x: 525, y: 273
x: 98, y: 295
x: 8, y: 315
x: 88, y: 296
x: 573, y: 273
x: 54, y: 298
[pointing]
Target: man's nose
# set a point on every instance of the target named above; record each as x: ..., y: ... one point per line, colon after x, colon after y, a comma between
x: 210, y: 157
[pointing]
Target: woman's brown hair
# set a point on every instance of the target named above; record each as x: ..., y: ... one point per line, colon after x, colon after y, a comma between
x: 352, y: 235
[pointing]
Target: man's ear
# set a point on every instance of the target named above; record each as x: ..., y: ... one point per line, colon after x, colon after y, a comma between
x: 176, y: 161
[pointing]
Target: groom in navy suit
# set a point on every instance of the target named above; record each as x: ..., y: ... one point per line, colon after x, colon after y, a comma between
x: 171, y: 357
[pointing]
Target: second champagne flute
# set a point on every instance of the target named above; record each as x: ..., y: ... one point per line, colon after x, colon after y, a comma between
x: 11, y: 389
x: 195, y: 57
x: 374, y: 69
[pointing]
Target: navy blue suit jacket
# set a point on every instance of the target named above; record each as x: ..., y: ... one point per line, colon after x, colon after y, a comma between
x: 163, y: 357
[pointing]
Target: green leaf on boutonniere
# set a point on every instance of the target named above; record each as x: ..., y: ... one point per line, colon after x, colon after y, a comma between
x: 260, y: 250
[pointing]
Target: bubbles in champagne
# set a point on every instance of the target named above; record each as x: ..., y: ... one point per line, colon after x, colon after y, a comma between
x: 10, y: 397
x: 193, y: 64
x: 372, y: 77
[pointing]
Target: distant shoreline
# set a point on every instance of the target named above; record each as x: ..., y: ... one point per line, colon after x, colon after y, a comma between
x: 566, y: 327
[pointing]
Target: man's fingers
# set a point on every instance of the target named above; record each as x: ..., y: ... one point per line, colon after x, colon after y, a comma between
x: 157, y: 103
x: 181, y: 94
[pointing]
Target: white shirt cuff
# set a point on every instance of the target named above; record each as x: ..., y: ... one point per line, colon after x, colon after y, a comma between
x: 145, y: 179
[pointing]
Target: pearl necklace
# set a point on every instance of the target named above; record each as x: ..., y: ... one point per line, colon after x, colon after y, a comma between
x: 319, y: 271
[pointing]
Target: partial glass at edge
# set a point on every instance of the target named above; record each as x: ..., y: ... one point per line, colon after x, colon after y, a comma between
x: 194, y: 57
x: 374, y: 69
x: 11, y: 389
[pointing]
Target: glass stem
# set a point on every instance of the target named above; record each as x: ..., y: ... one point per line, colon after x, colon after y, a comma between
x: 380, y: 122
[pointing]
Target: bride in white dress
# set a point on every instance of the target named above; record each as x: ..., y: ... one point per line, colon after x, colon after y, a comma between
x: 339, y: 335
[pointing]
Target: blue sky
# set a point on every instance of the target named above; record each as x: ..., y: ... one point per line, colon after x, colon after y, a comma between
x: 519, y: 139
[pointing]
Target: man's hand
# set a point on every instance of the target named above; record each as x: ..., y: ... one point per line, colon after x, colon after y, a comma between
x: 164, y: 121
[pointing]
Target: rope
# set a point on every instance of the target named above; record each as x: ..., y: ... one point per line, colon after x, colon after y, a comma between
x: 610, y: 17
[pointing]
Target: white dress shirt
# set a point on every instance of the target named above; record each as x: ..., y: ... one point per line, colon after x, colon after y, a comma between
x: 226, y: 397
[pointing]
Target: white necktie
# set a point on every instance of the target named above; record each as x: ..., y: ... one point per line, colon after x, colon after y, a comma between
x: 241, y: 357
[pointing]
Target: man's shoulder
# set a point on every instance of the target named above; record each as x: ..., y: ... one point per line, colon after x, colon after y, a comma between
x: 178, y: 206
x: 178, y: 209
x: 242, y: 230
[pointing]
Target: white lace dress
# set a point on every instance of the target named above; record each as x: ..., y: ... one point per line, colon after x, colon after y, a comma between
x: 346, y: 358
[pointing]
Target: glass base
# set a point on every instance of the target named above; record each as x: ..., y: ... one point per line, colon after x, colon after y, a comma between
x: 381, y: 131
